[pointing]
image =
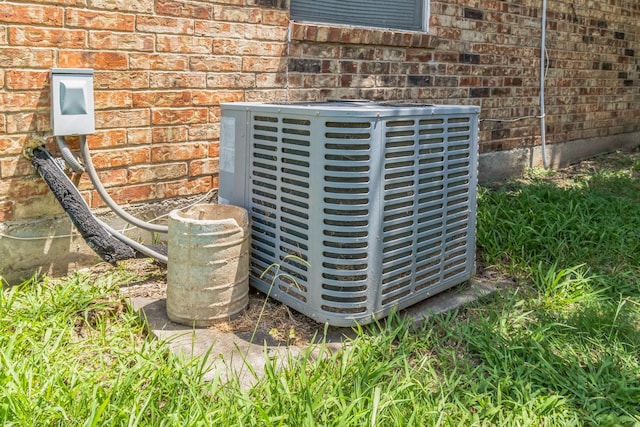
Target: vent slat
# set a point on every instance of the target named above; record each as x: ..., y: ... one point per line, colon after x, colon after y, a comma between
x: 378, y: 198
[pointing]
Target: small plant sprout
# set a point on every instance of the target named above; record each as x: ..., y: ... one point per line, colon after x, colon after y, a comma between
x: 277, y: 274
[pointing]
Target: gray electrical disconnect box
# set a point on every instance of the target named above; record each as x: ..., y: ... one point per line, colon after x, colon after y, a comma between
x: 72, y: 101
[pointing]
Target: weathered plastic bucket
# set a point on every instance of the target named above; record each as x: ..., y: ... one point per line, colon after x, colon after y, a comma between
x: 208, y: 265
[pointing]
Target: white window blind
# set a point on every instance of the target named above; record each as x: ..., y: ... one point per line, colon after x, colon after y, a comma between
x: 396, y: 14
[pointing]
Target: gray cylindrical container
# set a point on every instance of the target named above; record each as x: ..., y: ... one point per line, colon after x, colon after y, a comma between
x: 208, y: 266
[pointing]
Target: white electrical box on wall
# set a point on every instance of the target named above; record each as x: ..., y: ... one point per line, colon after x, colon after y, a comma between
x: 363, y: 207
x: 72, y: 111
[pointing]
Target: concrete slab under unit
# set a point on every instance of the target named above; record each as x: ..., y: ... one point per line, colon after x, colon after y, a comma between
x: 236, y: 355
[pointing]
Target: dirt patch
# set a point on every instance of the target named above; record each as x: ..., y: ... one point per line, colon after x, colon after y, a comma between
x: 279, y: 322
x: 144, y: 278
x: 620, y: 162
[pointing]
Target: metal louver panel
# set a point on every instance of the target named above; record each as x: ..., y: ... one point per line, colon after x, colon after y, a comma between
x: 365, y: 207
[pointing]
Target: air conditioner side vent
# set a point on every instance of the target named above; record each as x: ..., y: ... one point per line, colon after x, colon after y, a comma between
x: 357, y: 208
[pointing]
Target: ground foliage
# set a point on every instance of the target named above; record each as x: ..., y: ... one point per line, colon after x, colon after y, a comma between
x: 559, y: 345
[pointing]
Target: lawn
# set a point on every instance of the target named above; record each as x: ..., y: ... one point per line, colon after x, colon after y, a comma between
x: 558, y: 345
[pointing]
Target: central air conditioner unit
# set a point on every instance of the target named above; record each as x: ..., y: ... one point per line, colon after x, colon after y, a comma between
x: 357, y: 208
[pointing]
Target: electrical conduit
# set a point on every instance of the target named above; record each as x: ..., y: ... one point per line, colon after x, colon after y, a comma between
x: 93, y: 176
x: 135, y: 245
x: 68, y: 156
x: 114, y: 233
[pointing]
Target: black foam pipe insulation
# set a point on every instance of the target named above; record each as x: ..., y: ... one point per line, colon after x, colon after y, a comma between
x: 99, y: 240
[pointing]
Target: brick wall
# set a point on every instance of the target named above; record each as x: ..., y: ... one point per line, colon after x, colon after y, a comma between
x: 487, y: 53
x: 162, y: 67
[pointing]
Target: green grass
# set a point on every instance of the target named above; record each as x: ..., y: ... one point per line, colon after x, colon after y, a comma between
x: 560, y: 347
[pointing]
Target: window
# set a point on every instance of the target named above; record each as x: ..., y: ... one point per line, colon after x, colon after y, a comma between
x: 399, y: 14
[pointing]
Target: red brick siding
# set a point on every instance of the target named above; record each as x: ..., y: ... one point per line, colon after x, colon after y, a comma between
x: 162, y: 67
x: 489, y: 55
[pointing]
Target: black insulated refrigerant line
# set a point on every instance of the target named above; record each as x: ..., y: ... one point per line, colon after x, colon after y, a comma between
x: 92, y: 231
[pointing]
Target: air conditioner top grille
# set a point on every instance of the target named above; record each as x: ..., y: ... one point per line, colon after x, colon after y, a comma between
x: 353, y: 108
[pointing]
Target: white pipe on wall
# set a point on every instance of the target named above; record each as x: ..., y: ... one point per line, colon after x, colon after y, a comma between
x: 543, y: 51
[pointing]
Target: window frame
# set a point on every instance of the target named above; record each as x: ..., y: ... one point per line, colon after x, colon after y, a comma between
x: 424, y: 22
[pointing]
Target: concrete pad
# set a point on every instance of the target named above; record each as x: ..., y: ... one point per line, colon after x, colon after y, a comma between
x: 450, y: 300
x: 230, y: 355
